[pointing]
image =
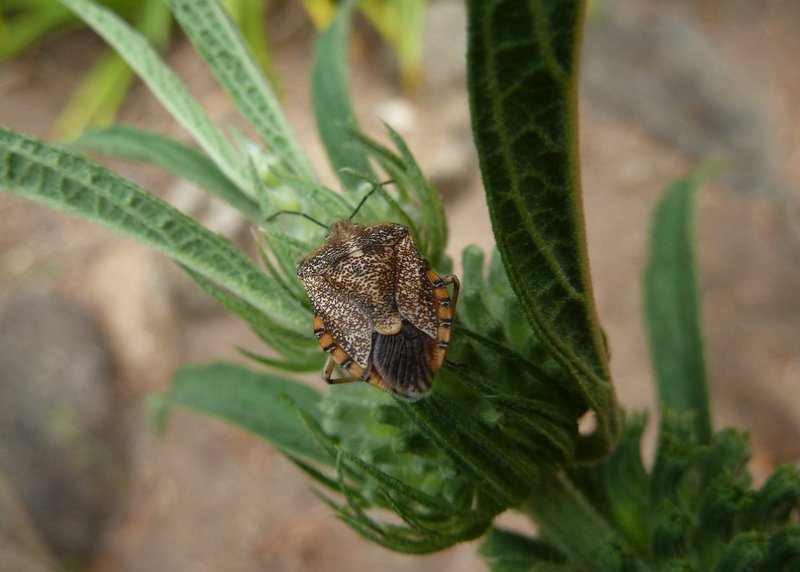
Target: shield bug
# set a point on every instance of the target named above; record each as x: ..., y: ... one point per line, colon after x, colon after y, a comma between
x: 381, y: 313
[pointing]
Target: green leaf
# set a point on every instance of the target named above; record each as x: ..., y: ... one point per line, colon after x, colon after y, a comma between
x: 98, y: 97
x: 569, y: 522
x: 164, y: 84
x: 522, y: 79
x: 103, y: 89
x: 132, y: 144
x: 618, y: 486
x: 306, y: 366
x: 330, y: 97
x: 747, y: 551
x: 507, y: 551
x: 73, y: 184
x: 288, y: 343
x: 435, y: 230
x: 250, y: 16
x: 220, y: 43
x: 671, y: 305
x: 25, y: 29
x: 258, y: 402
x: 776, y: 500
x: 784, y: 549
x: 430, y: 235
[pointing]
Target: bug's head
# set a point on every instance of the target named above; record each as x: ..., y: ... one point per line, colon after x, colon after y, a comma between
x: 343, y: 229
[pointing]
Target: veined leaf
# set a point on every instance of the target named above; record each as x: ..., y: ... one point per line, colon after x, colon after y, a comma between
x: 522, y: 79
x: 164, y: 84
x: 132, y: 144
x: 330, y: 97
x: 261, y: 403
x: 73, y: 184
x: 249, y: 16
x: 671, y: 305
x: 211, y: 32
x: 290, y: 344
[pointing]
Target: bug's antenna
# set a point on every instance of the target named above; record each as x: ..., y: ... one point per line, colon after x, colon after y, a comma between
x: 368, y: 195
x: 296, y: 213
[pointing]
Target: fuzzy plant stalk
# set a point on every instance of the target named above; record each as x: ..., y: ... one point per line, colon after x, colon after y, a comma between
x: 527, y: 358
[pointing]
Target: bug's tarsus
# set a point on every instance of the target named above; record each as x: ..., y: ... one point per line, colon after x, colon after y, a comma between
x: 368, y: 195
x: 327, y: 374
x: 273, y: 216
x: 452, y: 279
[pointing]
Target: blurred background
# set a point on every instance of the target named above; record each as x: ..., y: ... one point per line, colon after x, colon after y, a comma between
x: 91, y: 323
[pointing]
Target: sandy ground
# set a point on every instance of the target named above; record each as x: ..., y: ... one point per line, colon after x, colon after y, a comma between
x: 208, y: 497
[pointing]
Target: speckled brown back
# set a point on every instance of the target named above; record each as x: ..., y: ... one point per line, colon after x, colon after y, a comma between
x: 367, y: 281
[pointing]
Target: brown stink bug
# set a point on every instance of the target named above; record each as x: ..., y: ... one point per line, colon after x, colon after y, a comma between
x: 381, y: 313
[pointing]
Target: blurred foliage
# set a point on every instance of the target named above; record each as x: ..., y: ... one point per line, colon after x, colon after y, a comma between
x: 95, y: 102
x: 401, y: 24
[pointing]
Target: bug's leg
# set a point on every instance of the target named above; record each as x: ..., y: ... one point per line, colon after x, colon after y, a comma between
x: 327, y: 370
x: 452, y: 279
x: 327, y: 374
x: 443, y: 281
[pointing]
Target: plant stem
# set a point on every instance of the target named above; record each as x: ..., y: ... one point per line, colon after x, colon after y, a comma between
x: 565, y: 518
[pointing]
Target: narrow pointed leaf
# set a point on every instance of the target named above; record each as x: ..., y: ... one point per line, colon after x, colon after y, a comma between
x: 522, y: 79
x: 330, y: 97
x: 75, y: 185
x: 132, y: 144
x: 104, y: 87
x: 164, y: 84
x: 258, y: 402
x: 98, y: 97
x: 220, y: 43
x: 429, y: 201
x: 292, y: 345
x: 672, y: 308
x: 305, y: 366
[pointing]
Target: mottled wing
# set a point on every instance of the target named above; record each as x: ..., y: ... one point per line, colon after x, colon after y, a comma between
x: 347, y: 324
x: 409, y: 359
x: 414, y: 293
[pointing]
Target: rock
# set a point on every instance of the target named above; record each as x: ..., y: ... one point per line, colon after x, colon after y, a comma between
x: 658, y: 71
x: 127, y: 289
x: 58, y: 439
x: 21, y: 549
x: 445, y: 46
